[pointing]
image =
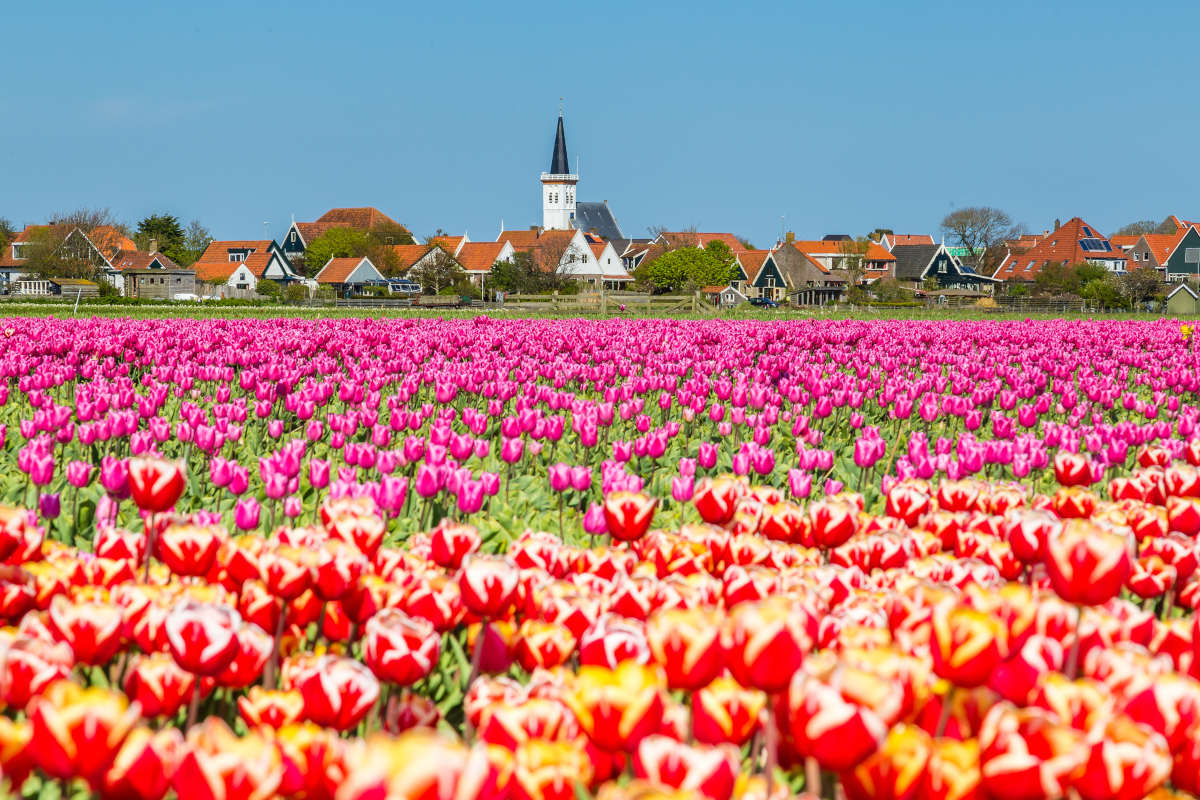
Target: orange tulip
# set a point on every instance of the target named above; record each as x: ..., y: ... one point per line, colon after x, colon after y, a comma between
x: 216, y: 764
x: 619, y: 707
x: 273, y: 708
x: 77, y: 732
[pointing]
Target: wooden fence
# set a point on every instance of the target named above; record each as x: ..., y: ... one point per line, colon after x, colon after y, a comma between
x: 604, y: 303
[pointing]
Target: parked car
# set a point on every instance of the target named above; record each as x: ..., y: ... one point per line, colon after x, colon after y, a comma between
x: 763, y: 302
x: 404, y: 286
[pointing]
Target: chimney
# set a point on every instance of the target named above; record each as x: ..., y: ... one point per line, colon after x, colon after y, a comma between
x: 789, y: 237
x: 533, y: 227
x: 153, y: 246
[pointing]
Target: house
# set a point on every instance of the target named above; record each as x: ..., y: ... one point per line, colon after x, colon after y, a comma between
x: 730, y: 297
x: 640, y: 252
x: 1167, y: 252
x: 451, y: 244
x: 917, y: 263
x: 74, y: 288
x: 239, y: 264
x: 597, y: 218
x: 477, y: 258
x: 300, y: 234
x: 1183, y: 301
x: 808, y: 281
x: 763, y: 277
x: 1184, y: 261
x: 347, y: 276
x: 838, y: 253
x: 96, y: 248
x: 153, y: 274
x: 887, y: 241
x: 610, y: 274
x: 1074, y: 242
x: 570, y: 252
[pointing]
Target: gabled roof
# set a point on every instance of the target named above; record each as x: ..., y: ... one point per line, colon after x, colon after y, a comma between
x: 451, y: 244
x: 597, y: 216
x: 1161, y: 245
x: 909, y: 238
x: 912, y: 260
x: 339, y: 270
x: 219, y: 250
x: 752, y: 262
x: 1124, y: 241
x: 216, y: 271
x: 142, y: 259
x: 479, y: 256
x: 1063, y: 246
x: 695, y: 239
x: 409, y: 254
x: 110, y: 241
x: 549, y: 248
x: 257, y: 263
x: 363, y: 218
x: 1183, y: 287
x: 521, y: 240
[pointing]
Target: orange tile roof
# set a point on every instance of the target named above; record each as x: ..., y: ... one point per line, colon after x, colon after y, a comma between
x: 218, y: 251
x: 338, y: 269
x: 215, y: 271
x: 752, y: 262
x: 877, y: 252
x: 363, y: 218
x: 694, y: 239
x: 141, y: 259
x: 448, y: 243
x: 1124, y: 240
x: 479, y: 256
x: 257, y: 263
x: 409, y: 254
x: 910, y: 238
x: 521, y: 240
x: 1061, y: 246
x: 110, y: 241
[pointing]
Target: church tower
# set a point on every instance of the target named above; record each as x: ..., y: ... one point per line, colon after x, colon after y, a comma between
x: 558, y: 187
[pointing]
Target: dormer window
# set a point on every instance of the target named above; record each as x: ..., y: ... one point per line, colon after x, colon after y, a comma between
x: 237, y: 256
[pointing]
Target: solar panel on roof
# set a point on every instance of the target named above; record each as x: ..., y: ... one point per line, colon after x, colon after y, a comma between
x: 1087, y: 231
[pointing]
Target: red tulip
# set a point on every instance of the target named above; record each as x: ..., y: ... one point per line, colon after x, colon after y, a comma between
x: 549, y: 770
x: 337, y: 692
x: 156, y: 484
x: 543, y: 644
x: 273, y: 708
x: 92, y: 629
x: 726, y: 712
x: 30, y: 666
x: 339, y: 566
x: 189, y: 549
x: 1072, y: 469
x: 612, y: 639
x: 398, y: 648
x: 1087, y: 564
x: 1127, y: 762
x: 716, y: 498
x: 488, y: 584
x: 1025, y: 753
x: 406, y: 711
x: 617, y: 708
x: 254, y: 646
x: 830, y: 725
x: 202, y: 637
x: 77, y: 732
x: 628, y: 515
x: 510, y: 725
x: 706, y: 769
x: 143, y: 765
x: 833, y: 521
x: 158, y: 685
x: 966, y: 645
x: 952, y: 772
x: 451, y: 542
x: 765, y: 643
x: 686, y: 643
x: 896, y: 771
x: 217, y: 765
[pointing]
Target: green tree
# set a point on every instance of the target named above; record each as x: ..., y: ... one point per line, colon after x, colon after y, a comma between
x: 437, y: 273
x: 1142, y: 284
x: 295, y: 293
x: 685, y: 268
x: 7, y: 232
x: 1085, y: 273
x: 889, y: 290
x: 1057, y: 278
x: 334, y: 243
x: 269, y: 289
x: 521, y: 276
x: 1105, y: 291
x: 1137, y: 228
x: 981, y: 229
x: 195, y: 241
x: 166, y: 232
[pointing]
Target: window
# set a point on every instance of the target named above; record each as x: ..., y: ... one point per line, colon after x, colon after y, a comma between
x: 1191, y: 255
x: 235, y: 256
x: 942, y: 268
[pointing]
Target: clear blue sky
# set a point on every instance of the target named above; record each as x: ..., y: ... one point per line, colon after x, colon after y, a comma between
x: 842, y: 116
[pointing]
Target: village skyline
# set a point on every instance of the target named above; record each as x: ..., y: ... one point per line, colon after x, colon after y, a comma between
x: 870, y: 116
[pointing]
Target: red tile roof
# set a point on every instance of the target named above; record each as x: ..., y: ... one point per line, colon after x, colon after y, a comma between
x: 448, y: 243
x: 479, y: 256
x: 1124, y: 241
x: 110, y: 241
x: 752, y: 262
x: 218, y: 251
x: 338, y: 270
x: 215, y: 271
x: 1061, y: 246
x: 694, y: 239
x: 141, y: 259
x: 910, y: 238
x: 521, y: 240
x: 409, y: 254
x: 361, y: 218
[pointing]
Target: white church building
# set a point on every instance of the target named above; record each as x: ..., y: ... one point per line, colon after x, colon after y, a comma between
x: 560, y: 209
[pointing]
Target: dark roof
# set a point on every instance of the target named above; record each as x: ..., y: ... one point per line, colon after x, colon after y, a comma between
x: 912, y: 259
x: 598, y: 216
x: 558, y: 162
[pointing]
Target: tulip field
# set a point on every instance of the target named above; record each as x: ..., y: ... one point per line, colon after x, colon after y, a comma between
x: 461, y: 559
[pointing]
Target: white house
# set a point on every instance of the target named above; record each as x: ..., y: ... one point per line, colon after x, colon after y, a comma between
x: 240, y: 264
x: 346, y: 275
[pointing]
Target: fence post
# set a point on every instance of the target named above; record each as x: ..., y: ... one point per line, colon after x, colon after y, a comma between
x: 603, y: 302
x: 696, y: 302
x: 554, y: 300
